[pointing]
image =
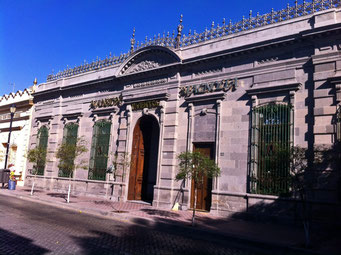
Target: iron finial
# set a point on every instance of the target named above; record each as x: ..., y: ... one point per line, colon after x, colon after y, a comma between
x: 178, y: 37
x: 132, y: 41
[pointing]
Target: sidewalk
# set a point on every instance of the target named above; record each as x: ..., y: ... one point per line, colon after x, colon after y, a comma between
x: 284, y: 236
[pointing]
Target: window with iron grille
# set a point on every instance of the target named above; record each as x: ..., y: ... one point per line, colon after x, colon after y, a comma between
x: 43, y: 135
x: 99, y: 150
x: 338, y: 124
x: 271, y: 141
x: 70, y: 140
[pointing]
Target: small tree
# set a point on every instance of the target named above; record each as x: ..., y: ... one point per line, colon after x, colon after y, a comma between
x: 67, y: 153
x: 196, y: 166
x: 37, y: 156
x: 121, y: 161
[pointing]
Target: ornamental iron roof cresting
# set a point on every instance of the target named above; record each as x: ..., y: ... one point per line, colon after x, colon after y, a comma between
x: 181, y: 40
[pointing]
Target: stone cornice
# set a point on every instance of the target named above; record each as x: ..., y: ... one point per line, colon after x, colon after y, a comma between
x: 15, y: 119
x: 206, y: 97
x: 2, y: 130
x: 19, y: 105
x: 269, y: 88
x: 129, y: 99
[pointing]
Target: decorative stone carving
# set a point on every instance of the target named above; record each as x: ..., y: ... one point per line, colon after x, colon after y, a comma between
x: 146, y: 83
x: 208, y: 71
x: 203, y: 112
x: 148, y: 60
x: 145, y: 65
x: 145, y: 111
x: 267, y: 60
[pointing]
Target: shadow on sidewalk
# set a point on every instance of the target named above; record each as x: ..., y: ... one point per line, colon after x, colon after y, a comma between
x: 162, y: 213
x: 35, y: 191
x: 158, y: 238
x: 60, y: 195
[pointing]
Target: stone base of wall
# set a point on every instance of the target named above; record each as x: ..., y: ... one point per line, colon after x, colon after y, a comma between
x: 236, y: 205
x: 113, y: 190
x: 272, y: 208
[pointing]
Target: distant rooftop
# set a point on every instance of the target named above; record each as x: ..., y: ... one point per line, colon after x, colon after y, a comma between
x: 179, y: 39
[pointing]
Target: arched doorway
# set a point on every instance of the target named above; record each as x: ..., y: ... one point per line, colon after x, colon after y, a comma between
x: 144, y: 156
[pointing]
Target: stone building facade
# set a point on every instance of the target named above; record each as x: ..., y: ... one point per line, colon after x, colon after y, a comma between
x: 241, y: 93
x: 21, y: 128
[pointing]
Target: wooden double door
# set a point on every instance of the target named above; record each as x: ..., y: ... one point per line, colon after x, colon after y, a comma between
x: 204, y: 191
x: 144, y: 154
x: 137, y: 162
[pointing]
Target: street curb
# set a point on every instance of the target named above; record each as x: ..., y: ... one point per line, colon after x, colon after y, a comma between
x: 134, y: 220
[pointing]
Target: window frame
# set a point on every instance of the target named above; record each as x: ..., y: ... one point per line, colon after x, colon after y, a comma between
x: 42, y: 144
x: 69, y: 139
x: 271, y: 144
x: 95, y: 172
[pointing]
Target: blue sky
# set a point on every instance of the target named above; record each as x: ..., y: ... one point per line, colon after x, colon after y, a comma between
x: 38, y: 36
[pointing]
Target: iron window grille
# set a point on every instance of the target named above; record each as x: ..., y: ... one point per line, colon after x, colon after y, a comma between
x: 99, y: 150
x: 271, y: 143
x: 69, y: 138
x: 43, y: 135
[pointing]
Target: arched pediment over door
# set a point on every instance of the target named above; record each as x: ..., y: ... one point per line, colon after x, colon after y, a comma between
x: 149, y: 58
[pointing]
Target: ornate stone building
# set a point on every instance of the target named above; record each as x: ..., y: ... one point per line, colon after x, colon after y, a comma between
x: 243, y: 93
x: 21, y: 128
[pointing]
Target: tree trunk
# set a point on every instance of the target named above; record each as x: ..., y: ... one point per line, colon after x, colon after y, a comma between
x: 68, y: 194
x: 32, y: 188
x: 305, y: 218
x: 195, y: 204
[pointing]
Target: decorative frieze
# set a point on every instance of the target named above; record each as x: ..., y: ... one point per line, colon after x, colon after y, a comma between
x: 224, y: 85
x: 267, y: 60
x: 210, y: 71
x: 146, y: 104
x: 145, y: 65
x: 106, y: 102
x: 146, y: 83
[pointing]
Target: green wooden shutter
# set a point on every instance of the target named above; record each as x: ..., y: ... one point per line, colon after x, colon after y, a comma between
x: 70, y: 138
x: 99, y: 150
x: 43, y: 135
x: 270, y: 149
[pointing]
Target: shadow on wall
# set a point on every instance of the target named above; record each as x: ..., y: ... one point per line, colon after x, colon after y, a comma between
x: 313, y: 202
x: 11, y: 243
x: 316, y: 194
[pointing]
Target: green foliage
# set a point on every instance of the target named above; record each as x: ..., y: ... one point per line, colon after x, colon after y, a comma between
x: 67, y: 153
x: 121, y: 161
x: 195, y: 166
x: 37, y: 156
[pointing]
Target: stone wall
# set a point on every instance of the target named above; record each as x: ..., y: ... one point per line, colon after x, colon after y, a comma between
x: 295, y: 62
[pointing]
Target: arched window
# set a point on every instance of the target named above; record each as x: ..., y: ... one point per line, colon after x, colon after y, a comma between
x: 43, y: 135
x: 99, y: 150
x: 271, y: 143
x: 69, y: 139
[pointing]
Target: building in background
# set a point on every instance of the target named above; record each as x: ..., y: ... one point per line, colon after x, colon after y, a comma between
x: 242, y: 93
x: 21, y: 128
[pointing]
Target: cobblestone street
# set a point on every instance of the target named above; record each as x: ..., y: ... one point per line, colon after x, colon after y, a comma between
x: 32, y: 228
